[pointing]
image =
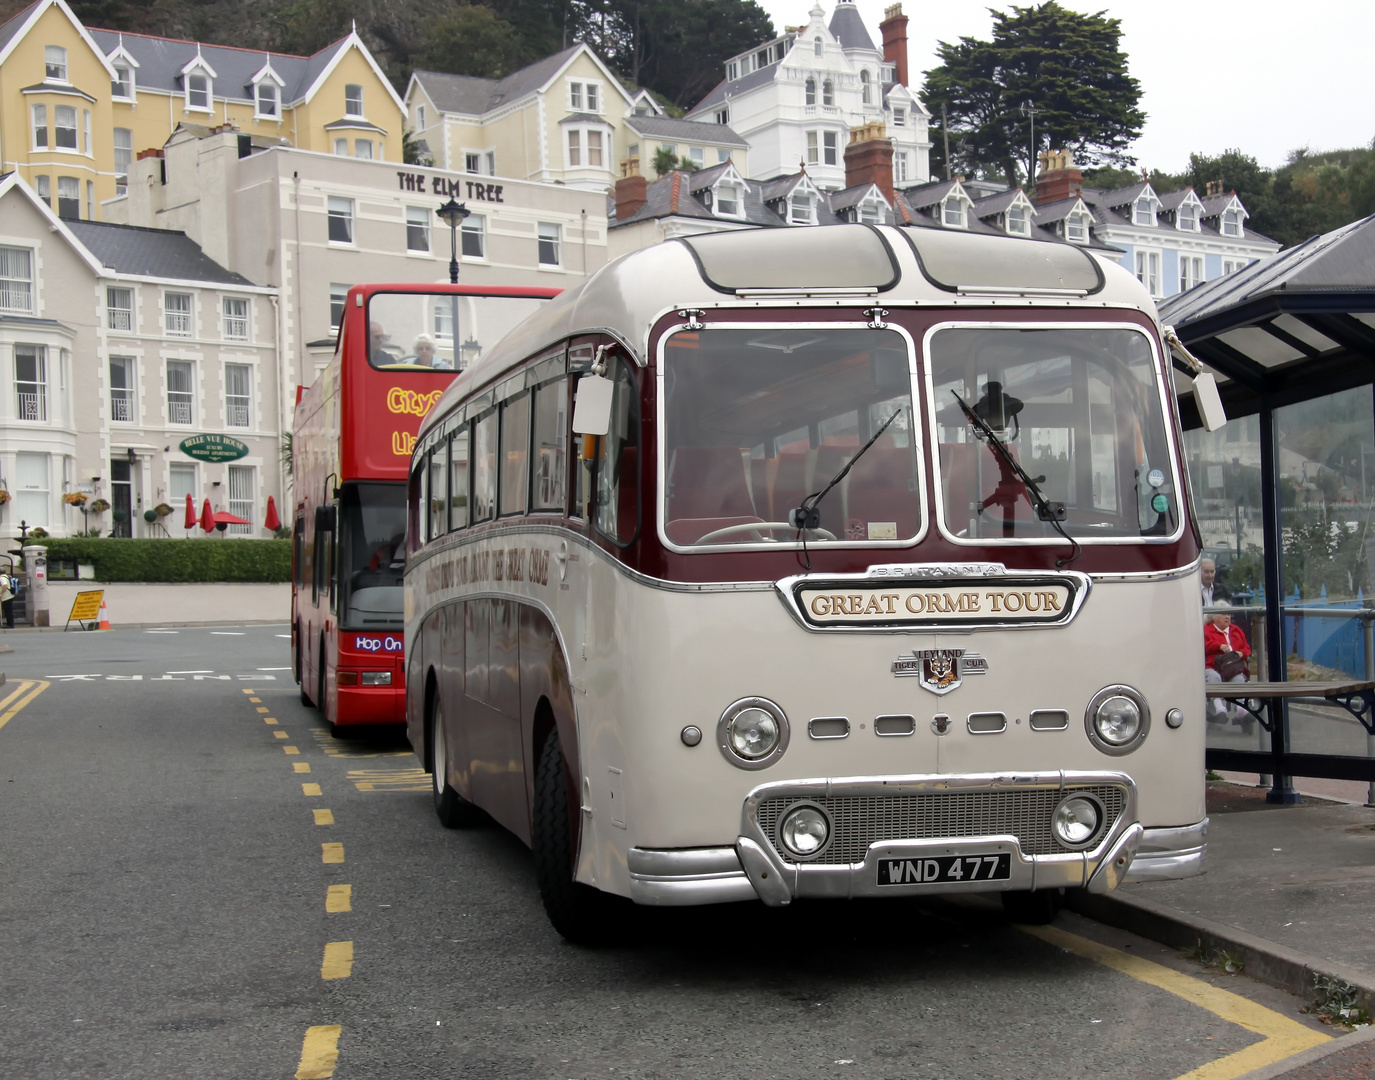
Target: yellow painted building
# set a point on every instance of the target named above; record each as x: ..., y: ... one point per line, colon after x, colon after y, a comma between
x: 78, y: 105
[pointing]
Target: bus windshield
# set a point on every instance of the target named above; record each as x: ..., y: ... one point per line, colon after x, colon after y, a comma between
x: 758, y: 420
x: 1077, y: 408
x: 372, y: 556
x: 439, y: 331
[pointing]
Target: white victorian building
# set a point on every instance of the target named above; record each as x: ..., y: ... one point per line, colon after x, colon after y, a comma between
x: 796, y: 98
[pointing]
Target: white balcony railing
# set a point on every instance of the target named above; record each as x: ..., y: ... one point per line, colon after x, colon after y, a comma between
x: 178, y: 410
x: 33, y: 405
x: 236, y: 414
x: 122, y: 406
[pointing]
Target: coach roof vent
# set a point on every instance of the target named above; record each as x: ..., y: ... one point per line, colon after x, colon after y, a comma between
x: 961, y: 263
x: 820, y: 260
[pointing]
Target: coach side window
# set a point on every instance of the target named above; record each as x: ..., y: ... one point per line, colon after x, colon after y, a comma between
x: 458, y: 479
x: 438, y: 492
x: 485, y: 467
x: 515, y: 454
x: 617, y: 514
x: 551, y: 446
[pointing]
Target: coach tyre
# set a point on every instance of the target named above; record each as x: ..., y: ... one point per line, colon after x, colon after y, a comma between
x: 1034, y: 908
x: 452, y: 809
x: 579, y: 912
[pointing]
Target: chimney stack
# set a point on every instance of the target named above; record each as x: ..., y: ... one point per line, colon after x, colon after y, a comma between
x: 632, y: 190
x: 1059, y: 179
x: 894, y: 31
x: 869, y: 159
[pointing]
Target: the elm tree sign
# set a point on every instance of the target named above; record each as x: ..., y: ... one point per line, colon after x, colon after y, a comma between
x: 213, y: 448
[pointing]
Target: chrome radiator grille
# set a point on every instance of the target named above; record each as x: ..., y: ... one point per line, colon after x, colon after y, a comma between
x: 861, y: 820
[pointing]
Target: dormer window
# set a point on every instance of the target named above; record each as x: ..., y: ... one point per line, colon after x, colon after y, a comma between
x: 864, y: 89
x: 353, y: 100
x: 1018, y: 220
x: 729, y: 200
x: 267, y: 99
x: 870, y: 212
x: 1186, y: 217
x: 809, y: 92
x: 1143, y: 211
x: 899, y: 117
x: 55, y: 63
x: 828, y: 94
x: 198, y: 91
x: 733, y: 70
x: 952, y: 212
x: 817, y: 48
x: 723, y: 116
x: 122, y: 86
x: 801, y: 208
x: 1231, y: 222
x: 1077, y: 228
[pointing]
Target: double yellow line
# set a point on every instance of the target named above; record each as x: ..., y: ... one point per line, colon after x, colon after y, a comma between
x: 24, y: 692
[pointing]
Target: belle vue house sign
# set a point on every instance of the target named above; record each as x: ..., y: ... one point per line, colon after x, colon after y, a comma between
x: 213, y: 448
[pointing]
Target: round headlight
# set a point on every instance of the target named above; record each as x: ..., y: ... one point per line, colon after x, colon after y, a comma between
x: 1076, y: 821
x: 1117, y: 719
x: 804, y: 831
x: 752, y: 733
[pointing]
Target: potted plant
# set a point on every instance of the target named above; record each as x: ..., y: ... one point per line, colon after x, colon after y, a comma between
x: 75, y: 498
x: 162, y: 510
x: 4, y: 496
x: 99, y: 506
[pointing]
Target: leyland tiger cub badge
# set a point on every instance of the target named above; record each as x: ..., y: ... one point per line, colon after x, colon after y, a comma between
x: 938, y: 670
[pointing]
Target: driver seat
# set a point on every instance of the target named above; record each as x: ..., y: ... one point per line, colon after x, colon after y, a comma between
x: 708, y: 489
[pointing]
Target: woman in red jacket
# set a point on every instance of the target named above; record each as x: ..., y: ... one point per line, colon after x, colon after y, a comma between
x: 1221, y: 637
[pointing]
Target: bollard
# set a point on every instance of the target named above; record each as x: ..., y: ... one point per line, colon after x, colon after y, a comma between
x: 36, y: 576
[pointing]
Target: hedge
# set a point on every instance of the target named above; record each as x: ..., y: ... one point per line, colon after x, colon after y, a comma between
x: 178, y: 560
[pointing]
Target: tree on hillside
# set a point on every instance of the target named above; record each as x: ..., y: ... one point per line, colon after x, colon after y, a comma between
x: 469, y: 41
x: 1069, y: 67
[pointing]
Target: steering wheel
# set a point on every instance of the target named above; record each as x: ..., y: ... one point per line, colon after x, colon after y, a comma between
x: 752, y: 526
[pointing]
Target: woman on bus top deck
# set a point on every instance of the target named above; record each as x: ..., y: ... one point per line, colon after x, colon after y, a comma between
x: 1219, y: 637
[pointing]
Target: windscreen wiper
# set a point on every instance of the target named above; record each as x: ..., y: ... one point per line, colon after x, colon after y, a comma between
x: 807, y: 516
x: 1046, y: 510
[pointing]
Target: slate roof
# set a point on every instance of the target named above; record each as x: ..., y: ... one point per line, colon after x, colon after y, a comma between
x: 162, y: 253
x: 1214, y: 205
x: 160, y: 61
x: 734, y: 87
x: 848, y: 27
x: 473, y: 96
x: 705, y: 178
x: 680, y: 194
x: 665, y: 127
x: 851, y: 196
x: 924, y: 195
x: 1172, y: 199
x: 1122, y: 196
x: 9, y: 29
x: 995, y: 204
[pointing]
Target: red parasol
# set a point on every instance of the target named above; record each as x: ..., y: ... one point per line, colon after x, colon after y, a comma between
x: 207, y: 517
x: 224, y: 517
x: 272, y: 521
x: 190, y: 522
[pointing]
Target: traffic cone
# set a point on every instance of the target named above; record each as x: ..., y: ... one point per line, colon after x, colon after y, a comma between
x: 104, y: 617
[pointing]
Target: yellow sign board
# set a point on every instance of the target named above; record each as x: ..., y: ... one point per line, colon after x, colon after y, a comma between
x: 86, y: 606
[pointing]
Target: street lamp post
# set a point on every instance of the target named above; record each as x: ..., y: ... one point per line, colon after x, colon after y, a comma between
x: 453, y: 215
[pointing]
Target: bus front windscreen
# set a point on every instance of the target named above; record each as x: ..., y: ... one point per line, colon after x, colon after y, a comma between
x: 372, y: 557
x: 439, y: 331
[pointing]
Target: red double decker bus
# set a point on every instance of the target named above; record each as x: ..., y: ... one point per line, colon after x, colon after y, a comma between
x: 399, y: 347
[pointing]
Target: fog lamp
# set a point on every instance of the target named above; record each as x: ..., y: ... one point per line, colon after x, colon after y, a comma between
x: 804, y: 831
x: 752, y: 733
x: 1076, y: 821
x: 377, y: 678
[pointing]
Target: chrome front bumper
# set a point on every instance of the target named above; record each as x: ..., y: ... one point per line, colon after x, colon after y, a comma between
x: 754, y: 868
x: 1166, y: 854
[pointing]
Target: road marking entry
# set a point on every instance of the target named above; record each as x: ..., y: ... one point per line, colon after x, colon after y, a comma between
x: 319, y: 1052
x: 226, y: 633
x: 290, y: 750
x: 338, y: 962
x: 280, y: 735
x: 276, y: 668
x: 206, y: 671
x: 310, y: 789
x: 160, y: 631
x: 300, y: 766
x: 269, y: 719
x: 339, y: 898
x: 390, y: 779
x: 323, y: 817
x: 332, y: 853
x: 32, y: 692
x: 1281, y: 1036
x: 247, y: 691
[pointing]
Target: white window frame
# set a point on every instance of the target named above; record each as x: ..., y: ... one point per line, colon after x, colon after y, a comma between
x: 737, y: 193
x: 244, y: 507
x: 548, y: 232
x: 899, y: 116
x: 36, y: 511
x: 341, y: 148
x: 209, y: 91
x: 818, y: 49
x: 871, y: 211
x: 575, y: 95
x: 472, y: 237
x: 338, y: 297
x: 113, y: 313
x: 1191, y: 271
x: 362, y: 149
x: 42, y: 186
x: 276, y: 111
x: 40, y: 134
x: 122, y: 88
x: 236, y: 326
x: 124, y: 398
x: 813, y: 148
x: 86, y: 132
x: 1077, y: 222
x: 353, y: 103
x: 809, y: 91
x: 1022, y: 224
x: 338, y: 208
x: 1230, y: 223
x: 190, y: 394
x: 238, y: 406
x: 72, y: 185
x: 418, y: 229
x: 37, y: 412
x: 828, y: 93
x: 573, y: 148
x: 179, y: 323
x: 865, y: 87
x: 58, y: 111
x: 1143, y: 211
x: 697, y: 155
x: 126, y: 153
x: 830, y: 148
x: 1148, y: 263
x: 13, y: 286
x: 801, y: 208
x: 1186, y: 217
x: 900, y: 166
x: 1231, y: 266
x: 54, y: 64
x: 723, y: 116
x: 954, y: 213
x: 420, y: 124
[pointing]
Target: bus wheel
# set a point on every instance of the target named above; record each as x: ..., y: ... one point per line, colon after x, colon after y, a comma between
x: 300, y: 671
x: 1035, y: 908
x: 452, y: 809
x: 579, y: 912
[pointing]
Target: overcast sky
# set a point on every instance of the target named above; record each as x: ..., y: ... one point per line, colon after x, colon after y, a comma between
x: 1263, y: 77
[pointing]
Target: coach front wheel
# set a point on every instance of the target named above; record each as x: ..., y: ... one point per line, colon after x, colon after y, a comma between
x: 452, y: 809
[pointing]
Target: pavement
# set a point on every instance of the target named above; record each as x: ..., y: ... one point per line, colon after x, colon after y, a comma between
x: 1288, y: 898
x: 136, y: 605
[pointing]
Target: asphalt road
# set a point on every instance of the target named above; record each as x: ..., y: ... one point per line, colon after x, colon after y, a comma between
x: 164, y: 896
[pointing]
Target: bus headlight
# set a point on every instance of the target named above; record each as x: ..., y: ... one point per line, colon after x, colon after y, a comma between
x: 1076, y: 821
x: 752, y: 733
x: 377, y: 678
x: 1117, y: 719
x: 804, y: 831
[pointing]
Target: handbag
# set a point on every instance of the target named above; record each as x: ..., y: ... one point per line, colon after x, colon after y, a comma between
x: 1229, y: 665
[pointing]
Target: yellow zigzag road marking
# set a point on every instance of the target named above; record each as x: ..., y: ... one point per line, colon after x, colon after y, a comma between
x: 25, y: 687
x: 319, y: 1052
x: 1281, y: 1037
x: 390, y: 779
